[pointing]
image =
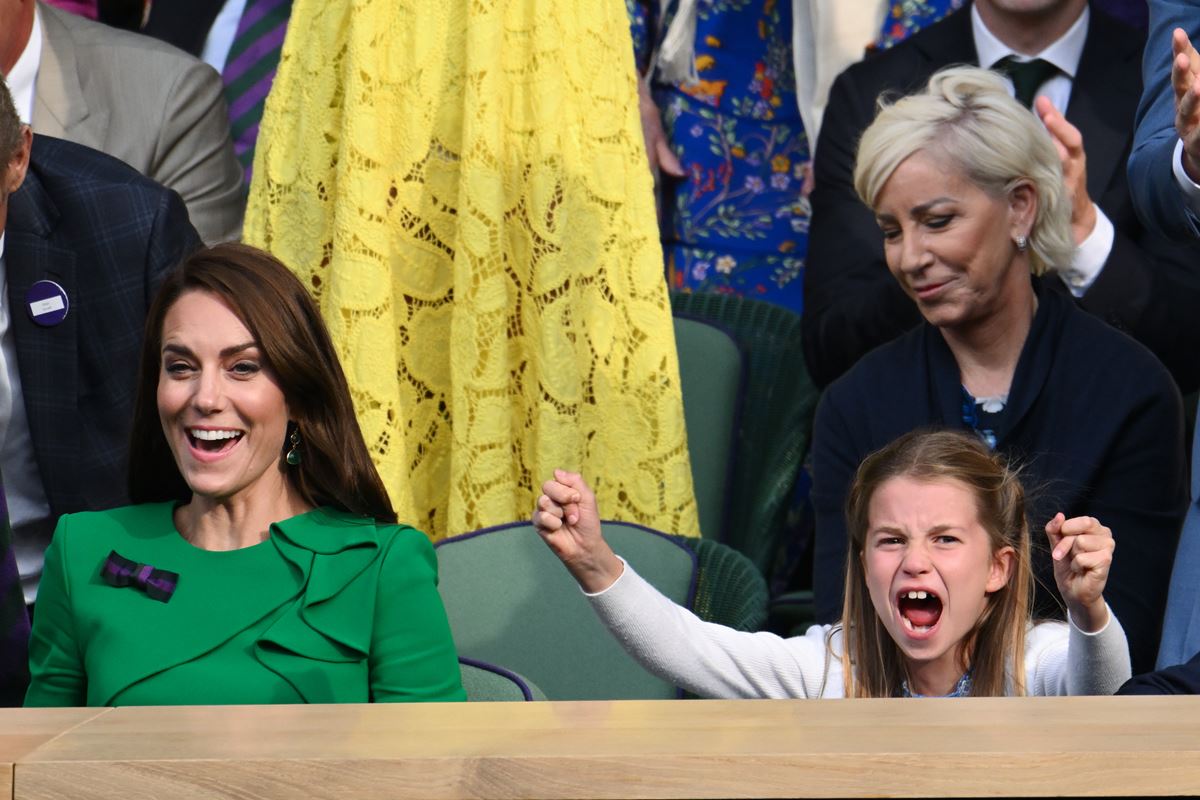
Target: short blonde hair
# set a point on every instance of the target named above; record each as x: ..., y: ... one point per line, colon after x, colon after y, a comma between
x: 966, y: 115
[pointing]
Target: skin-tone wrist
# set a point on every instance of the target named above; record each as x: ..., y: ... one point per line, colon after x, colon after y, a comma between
x: 598, y: 572
x: 1191, y: 166
x: 1089, y: 617
x: 1082, y: 227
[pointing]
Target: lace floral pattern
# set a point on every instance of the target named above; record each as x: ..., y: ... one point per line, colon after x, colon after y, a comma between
x: 464, y: 188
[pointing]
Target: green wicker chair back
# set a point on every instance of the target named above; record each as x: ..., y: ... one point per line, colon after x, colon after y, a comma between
x: 710, y: 373
x: 775, y: 420
x: 729, y: 588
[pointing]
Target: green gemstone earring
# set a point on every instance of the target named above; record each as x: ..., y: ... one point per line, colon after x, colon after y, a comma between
x: 293, y: 455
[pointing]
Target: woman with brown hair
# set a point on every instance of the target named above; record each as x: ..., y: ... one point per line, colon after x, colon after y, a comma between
x: 937, y: 597
x: 263, y: 562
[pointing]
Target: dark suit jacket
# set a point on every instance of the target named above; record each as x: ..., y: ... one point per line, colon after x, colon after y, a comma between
x: 14, y: 624
x: 108, y: 236
x: 1179, y: 679
x: 1093, y: 421
x: 1149, y: 287
x: 183, y: 24
x: 1155, y: 192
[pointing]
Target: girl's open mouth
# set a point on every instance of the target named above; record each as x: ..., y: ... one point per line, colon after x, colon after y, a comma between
x: 920, y: 610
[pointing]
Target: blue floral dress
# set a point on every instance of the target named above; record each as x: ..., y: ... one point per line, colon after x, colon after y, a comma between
x: 906, y: 17
x: 738, y: 222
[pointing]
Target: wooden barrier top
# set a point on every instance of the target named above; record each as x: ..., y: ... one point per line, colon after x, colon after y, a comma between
x: 1126, y: 746
x: 22, y: 732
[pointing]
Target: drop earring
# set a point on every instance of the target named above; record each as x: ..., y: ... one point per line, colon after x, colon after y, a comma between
x: 293, y: 455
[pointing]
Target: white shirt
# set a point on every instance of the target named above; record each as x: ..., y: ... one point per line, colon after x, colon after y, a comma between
x: 1063, y: 53
x: 27, y: 504
x: 1191, y: 189
x: 220, y: 35
x: 22, y: 78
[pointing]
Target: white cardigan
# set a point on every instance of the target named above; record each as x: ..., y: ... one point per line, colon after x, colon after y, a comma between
x: 712, y: 660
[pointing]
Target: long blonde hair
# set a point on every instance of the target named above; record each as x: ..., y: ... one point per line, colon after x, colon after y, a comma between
x: 873, y: 665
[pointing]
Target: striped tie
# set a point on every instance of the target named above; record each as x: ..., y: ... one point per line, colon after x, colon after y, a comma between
x: 250, y: 68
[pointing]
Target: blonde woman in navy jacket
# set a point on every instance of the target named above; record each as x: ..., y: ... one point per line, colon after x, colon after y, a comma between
x: 968, y: 191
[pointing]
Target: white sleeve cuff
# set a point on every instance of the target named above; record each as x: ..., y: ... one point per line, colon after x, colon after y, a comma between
x: 1190, y: 189
x: 1090, y: 256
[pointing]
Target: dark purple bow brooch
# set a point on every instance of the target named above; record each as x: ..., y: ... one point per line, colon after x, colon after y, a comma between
x: 158, y: 584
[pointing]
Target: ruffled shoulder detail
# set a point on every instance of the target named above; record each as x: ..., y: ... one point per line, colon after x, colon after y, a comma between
x: 336, y: 556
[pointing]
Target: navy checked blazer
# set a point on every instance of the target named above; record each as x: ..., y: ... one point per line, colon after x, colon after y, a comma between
x: 108, y: 236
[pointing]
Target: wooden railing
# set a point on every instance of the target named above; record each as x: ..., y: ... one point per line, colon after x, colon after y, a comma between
x: 1126, y: 746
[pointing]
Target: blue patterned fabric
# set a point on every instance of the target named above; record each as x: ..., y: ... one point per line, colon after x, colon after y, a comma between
x: 961, y: 689
x: 737, y: 222
x: 906, y: 17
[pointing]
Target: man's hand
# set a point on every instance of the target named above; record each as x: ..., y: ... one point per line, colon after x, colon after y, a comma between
x: 1069, y: 143
x: 658, y: 149
x: 1185, y: 80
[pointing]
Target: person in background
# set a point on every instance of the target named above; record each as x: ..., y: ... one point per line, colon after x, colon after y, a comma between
x: 1083, y: 65
x: 14, y: 621
x: 903, y: 18
x: 124, y: 14
x: 90, y: 9
x: 937, y: 593
x: 1164, y: 172
x: 967, y: 189
x: 1164, y: 167
x: 242, y: 40
x: 731, y: 147
x: 731, y: 102
x: 1179, y: 679
x: 498, y: 300
x: 76, y: 290
x: 263, y: 558
x: 1132, y: 12
x: 153, y: 107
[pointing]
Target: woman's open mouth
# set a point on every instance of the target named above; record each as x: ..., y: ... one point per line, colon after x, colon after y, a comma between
x: 920, y: 610
x: 213, y: 441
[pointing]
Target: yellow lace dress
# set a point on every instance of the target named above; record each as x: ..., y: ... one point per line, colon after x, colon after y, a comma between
x: 463, y: 186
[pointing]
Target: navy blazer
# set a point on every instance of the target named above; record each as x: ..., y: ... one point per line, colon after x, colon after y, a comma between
x: 1156, y: 193
x: 1179, y: 679
x: 1093, y: 421
x: 1149, y: 287
x: 14, y: 624
x: 108, y: 236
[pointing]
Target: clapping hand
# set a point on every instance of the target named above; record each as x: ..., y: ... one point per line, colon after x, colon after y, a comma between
x: 1081, y: 550
x: 658, y: 148
x: 1069, y: 143
x: 568, y: 521
x: 1185, y: 80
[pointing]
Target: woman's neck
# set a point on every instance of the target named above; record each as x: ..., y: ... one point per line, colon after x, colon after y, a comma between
x: 240, y: 521
x: 987, y: 351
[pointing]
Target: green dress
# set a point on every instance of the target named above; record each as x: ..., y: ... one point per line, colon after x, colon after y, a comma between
x: 331, y: 608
